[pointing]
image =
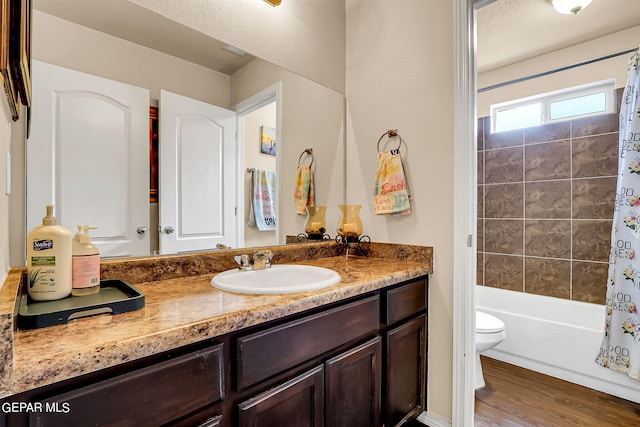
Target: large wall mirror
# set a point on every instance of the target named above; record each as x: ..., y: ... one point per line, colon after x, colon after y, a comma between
x: 124, y: 43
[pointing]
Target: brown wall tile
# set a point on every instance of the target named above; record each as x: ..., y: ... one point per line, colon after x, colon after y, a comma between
x: 589, y: 282
x: 503, y: 271
x: 618, y: 100
x: 480, y: 269
x: 595, y: 156
x: 594, y: 125
x: 593, y: 198
x: 549, y: 199
x: 503, y: 201
x: 504, y: 165
x: 480, y: 234
x: 510, y: 138
x: 503, y: 236
x: 480, y: 201
x: 480, y: 133
x: 592, y: 240
x: 546, y: 161
x: 548, y: 132
x: 557, y: 197
x: 548, y: 238
x: 550, y: 277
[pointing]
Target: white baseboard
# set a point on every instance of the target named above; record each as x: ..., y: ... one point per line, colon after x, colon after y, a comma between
x: 432, y: 420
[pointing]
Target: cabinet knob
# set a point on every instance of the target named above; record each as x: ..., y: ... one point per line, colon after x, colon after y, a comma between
x: 141, y: 229
x: 168, y: 229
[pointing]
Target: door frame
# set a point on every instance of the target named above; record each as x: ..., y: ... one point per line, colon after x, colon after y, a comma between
x: 465, y: 210
x: 242, y: 108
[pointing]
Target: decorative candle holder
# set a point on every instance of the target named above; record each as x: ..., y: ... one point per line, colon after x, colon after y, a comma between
x: 316, y: 225
x: 350, y: 229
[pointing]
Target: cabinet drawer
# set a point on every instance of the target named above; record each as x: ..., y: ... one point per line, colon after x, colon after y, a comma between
x: 268, y: 352
x: 154, y: 395
x: 405, y: 301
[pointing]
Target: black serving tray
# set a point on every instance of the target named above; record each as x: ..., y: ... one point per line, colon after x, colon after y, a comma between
x: 115, y: 297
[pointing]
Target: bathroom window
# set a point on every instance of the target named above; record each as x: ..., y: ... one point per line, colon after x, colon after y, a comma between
x: 566, y: 104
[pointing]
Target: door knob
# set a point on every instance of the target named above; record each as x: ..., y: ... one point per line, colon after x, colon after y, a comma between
x: 141, y: 229
x: 168, y: 229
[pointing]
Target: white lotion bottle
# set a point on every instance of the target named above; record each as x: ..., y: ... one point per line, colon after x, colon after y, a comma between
x: 49, y: 260
x: 85, y: 263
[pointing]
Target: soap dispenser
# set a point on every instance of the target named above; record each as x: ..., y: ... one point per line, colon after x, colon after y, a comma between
x: 49, y: 260
x: 86, y: 263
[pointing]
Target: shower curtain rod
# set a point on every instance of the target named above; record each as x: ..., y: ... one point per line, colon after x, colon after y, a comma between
x: 557, y: 70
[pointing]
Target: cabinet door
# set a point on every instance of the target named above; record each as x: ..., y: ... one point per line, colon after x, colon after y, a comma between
x: 297, y: 402
x: 154, y: 395
x: 353, y: 382
x: 406, y: 370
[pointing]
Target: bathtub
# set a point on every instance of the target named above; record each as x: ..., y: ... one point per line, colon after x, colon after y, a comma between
x: 554, y: 336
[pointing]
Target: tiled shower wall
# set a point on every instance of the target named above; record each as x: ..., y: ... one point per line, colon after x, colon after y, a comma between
x: 545, y: 207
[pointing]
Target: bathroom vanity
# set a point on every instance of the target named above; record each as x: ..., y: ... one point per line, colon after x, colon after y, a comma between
x: 352, y: 354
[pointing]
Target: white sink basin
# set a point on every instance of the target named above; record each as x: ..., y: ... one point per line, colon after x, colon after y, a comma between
x: 279, y: 279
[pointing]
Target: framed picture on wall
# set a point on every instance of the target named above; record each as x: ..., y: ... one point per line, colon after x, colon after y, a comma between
x: 10, y: 88
x: 153, y: 154
x: 268, y: 140
x: 20, y: 50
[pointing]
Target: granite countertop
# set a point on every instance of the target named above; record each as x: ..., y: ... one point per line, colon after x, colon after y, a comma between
x: 181, y: 308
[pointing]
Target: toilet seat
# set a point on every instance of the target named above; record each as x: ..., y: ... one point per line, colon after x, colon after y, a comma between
x: 488, y: 324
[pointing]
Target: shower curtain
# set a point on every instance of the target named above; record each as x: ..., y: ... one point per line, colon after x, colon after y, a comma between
x: 620, y: 348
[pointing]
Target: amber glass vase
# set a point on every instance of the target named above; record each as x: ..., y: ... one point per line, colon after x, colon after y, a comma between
x: 350, y: 224
x: 316, y: 225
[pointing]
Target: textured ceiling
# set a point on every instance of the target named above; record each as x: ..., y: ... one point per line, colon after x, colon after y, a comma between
x: 128, y: 21
x: 511, y: 31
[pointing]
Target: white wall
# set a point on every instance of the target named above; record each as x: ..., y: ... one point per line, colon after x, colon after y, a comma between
x: 305, y: 36
x: 400, y: 75
x: 602, y: 70
x: 253, y: 158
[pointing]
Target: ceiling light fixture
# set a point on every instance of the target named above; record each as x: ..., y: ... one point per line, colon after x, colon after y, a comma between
x: 568, y: 7
x: 273, y: 2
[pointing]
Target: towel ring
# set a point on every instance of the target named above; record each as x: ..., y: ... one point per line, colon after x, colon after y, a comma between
x: 391, y: 133
x: 303, y: 156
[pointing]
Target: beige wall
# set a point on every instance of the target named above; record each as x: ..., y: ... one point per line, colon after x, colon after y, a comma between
x: 253, y: 158
x: 400, y: 75
x: 69, y: 45
x: 611, y: 68
x: 305, y: 36
x: 312, y: 118
x: 5, y: 145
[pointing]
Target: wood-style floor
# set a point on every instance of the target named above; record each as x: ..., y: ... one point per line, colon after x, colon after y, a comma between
x: 517, y: 397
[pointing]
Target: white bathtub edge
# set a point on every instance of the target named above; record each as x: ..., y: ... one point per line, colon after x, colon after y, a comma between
x: 538, y: 342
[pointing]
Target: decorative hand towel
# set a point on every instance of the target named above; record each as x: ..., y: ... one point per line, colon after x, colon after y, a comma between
x: 304, y: 193
x: 390, y: 191
x: 262, y: 210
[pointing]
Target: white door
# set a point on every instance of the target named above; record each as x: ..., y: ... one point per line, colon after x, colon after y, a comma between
x: 88, y: 155
x: 197, y: 175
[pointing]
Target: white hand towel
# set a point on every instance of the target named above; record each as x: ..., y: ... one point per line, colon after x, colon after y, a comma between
x: 262, y: 211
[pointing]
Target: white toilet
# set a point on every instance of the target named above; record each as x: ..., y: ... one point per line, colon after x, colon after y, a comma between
x: 489, y: 333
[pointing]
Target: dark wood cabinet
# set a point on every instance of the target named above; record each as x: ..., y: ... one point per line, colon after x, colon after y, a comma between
x: 297, y: 402
x: 406, y: 370
x: 357, y: 362
x: 353, y: 381
x: 153, y: 395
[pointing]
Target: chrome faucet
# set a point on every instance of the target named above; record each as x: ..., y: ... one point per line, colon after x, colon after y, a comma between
x: 260, y: 260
